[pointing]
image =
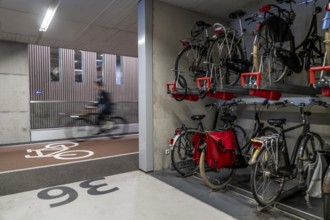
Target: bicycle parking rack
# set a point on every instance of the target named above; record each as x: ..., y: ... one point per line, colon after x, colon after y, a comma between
x: 272, y: 91
x: 322, y: 83
x: 224, y: 93
x: 179, y: 93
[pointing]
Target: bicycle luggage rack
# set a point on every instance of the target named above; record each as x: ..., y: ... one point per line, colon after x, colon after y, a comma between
x: 322, y: 83
x: 272, y: 91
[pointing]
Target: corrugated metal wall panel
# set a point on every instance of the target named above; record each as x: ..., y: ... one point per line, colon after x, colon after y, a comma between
x: 68, y: 96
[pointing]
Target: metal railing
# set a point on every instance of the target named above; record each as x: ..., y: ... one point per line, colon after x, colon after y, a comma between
x: 56, y: 114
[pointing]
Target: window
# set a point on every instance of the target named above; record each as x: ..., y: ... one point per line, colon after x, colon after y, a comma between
x: 99, y: 67
x: 78, y: 72
x: 119, y: 75
x: 55, y: 65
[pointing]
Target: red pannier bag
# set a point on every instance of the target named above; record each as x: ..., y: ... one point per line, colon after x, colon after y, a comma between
x: 220, y: 149
x: 198, y: 140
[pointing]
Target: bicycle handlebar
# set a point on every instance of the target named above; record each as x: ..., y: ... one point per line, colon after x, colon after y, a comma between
x: 286, y: 1
x: 253, y: 18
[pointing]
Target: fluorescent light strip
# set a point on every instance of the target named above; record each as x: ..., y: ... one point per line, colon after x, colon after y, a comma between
x: 48, y: 18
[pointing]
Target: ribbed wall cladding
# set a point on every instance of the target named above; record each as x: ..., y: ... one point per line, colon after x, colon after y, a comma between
x: 53, y: 101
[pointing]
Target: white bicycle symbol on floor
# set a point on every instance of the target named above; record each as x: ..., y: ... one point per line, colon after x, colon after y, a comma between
x: 60, y: 151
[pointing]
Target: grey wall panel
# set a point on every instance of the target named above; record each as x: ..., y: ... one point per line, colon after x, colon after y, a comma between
x: 68, y: 96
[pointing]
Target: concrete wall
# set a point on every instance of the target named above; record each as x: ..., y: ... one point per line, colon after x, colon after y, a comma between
x: 14, y: 93
x: 170, y: 24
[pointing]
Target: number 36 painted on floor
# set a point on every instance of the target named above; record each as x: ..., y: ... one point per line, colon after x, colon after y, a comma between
x: 73, y: 194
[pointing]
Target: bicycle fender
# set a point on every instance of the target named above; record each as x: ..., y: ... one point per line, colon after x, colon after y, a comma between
x: 256, y: 152
x: 326, y: 182
x: 174, y: 141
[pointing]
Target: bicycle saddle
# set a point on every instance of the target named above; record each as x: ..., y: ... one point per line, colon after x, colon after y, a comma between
x: 202, y: 24
x: 197, y: 117
x: 277, y: 122
x: 237, y: 14
x: 228, y: 118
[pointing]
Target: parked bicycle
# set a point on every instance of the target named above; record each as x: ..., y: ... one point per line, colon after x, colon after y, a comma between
x: 218, y: 177
x: 83, y: 125
x: 182, y: 145
x: 272, y: 164
x: 275, y: 54
x: 189, y: 64
x: 227, y: 56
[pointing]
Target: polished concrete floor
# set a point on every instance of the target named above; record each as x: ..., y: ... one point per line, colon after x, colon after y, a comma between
x: 133, y: 195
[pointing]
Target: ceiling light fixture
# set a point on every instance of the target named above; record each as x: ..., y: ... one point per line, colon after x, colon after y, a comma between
x: 49, y: 16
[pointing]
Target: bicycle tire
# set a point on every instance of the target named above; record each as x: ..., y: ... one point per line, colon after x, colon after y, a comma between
x: 190, y: 65
x: 119, y: 127
x: 181, y: 81
x: 214, y: 179
x: 327, y: 45
x: 264, y: 50
x: 241, y: 136
x: 308, y: 152
x: 278, y: 181
x: 80, y: 129
x: 181, y: 154
x: 326, y: 205
x: 219, y: 54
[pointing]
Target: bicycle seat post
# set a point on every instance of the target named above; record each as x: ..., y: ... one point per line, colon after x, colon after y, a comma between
x: 206, y: 33
x: 200, y: 125
x: 302, y: 112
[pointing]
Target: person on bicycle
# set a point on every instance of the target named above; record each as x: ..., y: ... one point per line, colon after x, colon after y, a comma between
x: 103, y: 103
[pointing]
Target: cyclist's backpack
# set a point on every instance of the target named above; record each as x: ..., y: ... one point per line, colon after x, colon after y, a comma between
x: 220, y: 151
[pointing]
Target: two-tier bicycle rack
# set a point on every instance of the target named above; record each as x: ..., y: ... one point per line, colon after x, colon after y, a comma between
x: 253, y: 85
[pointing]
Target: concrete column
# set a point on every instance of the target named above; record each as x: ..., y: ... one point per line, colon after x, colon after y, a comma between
x: 14, y: 93
x: 146, y: 152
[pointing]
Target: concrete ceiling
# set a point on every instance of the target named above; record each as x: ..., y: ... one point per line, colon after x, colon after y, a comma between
x: 108, y: 26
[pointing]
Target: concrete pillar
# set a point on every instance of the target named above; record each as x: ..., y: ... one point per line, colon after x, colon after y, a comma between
x: 146, y: 152
x: 14, y: 93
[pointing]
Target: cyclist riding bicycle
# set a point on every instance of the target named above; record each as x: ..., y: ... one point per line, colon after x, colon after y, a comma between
x: 103, y: 104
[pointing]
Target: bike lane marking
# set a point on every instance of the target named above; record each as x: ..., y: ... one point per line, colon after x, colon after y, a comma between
x: 66, y: 163
x: 14, y: 158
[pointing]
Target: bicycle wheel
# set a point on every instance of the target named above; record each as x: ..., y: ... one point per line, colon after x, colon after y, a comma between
x: 181, y: 154
x: 80, y: 129
x: 226, y: 60
x: 214, y: 178
x: 241, y: 136
x: 265, y: 59
x: 190, y: 65
x: 266, y: 186
x: 116, y: 127
x: 326, y: 205
x: 181, y: 81
x: 307, y: 153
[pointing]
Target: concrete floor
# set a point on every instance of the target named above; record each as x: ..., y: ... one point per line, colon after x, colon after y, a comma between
x: 133, y: 195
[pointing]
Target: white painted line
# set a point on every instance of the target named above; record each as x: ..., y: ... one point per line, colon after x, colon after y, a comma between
x: 73, y: 162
